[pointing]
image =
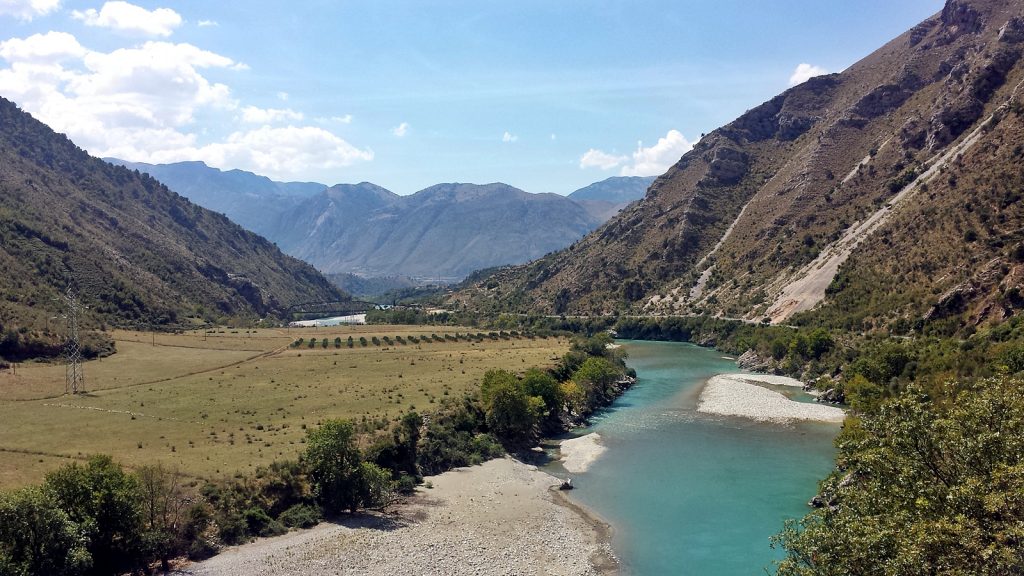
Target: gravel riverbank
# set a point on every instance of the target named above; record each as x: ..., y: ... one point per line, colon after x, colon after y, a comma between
x: 500, y: 518
x: 741, y: 395
x: 579, y: 453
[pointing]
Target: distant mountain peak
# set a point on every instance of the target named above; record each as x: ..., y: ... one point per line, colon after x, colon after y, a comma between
x: 617, y: 189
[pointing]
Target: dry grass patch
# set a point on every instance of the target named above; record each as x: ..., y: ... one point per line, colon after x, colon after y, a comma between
x: 231, y: 406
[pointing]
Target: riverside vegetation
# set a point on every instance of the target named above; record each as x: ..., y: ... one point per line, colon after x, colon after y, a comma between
x: 929, y: 478
x: 101, y: 518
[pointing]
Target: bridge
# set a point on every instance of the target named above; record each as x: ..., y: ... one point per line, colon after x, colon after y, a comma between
x: 311, y: 310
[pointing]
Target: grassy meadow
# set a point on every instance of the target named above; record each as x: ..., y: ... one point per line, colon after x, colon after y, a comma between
x: 215, y: 404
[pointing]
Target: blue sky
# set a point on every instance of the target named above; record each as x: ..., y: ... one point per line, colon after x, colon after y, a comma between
x: 545, y: 95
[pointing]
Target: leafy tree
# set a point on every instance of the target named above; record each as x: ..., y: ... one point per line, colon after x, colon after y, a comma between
x: 1013, y: 359
x: 513, y: 415
x: 398, y: 453
x: 103, y: 500
x: 37, y: 537
x: 863, y: 395
x: 799, y: 346
x: 332, y: 458
x: 494, y: 380
x: 820, y: 342
x: 376, y: 488
x: 455, y: 437
x: 924, y: 487
x: 164, y: 508
x: 543, y: 385
x: 596, y: 377
x: 575, y: 397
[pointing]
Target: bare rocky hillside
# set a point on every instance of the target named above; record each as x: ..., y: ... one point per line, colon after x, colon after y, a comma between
x: 888, y: 194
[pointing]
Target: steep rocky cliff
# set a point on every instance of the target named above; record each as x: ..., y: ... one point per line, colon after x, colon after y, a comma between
x: 888, y: 194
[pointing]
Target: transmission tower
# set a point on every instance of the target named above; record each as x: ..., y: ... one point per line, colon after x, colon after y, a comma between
x: 74, y: 378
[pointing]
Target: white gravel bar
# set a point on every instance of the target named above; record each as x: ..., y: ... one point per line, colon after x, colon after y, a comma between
x: 744, y: 395
x: 503, y: 517
x: 577, y: 454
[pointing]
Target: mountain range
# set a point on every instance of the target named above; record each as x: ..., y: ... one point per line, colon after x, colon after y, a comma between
x: 251, y: 200
x: 443, y: 232
x: 138, y: 254
x: 888, y: 195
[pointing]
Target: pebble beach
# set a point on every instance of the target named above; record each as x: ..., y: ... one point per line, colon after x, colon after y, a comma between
x: 500, y: 518
x: 744, y: 395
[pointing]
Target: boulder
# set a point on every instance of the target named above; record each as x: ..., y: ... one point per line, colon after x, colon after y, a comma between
x: 959, y: 17
x: 913, y: 134
x: 1012, y: 32
x: 726, y: 166
x: 919, y: 32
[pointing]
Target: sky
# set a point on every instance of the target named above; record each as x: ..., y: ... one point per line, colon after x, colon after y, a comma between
x: 545, y: 95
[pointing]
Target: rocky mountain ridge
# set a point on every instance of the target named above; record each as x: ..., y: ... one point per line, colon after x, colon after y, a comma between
x: 443, y: 232
x: 361, y: 228
x: 881, y: 196
x: 248, y: 199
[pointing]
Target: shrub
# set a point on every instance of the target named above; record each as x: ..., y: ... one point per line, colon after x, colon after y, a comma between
x: 300, y: 516
x: 259, y: 523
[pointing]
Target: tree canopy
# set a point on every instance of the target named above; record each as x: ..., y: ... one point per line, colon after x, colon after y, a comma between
x: 923, y: 487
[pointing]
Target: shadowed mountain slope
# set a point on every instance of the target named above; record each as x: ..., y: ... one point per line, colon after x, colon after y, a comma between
x: 138, y: 253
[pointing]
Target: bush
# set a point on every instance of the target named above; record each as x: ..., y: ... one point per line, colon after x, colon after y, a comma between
x: 406, y: 484
x: 232, y: 528
x: 259, y: 523
x: 300, y: 516
x: 333, y: 460
x: 201, y: 549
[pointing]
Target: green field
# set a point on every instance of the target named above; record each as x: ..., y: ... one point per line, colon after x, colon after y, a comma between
x: 215, y: 404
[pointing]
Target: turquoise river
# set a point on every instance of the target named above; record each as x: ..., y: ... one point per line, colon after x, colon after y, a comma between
x: 692, y: 494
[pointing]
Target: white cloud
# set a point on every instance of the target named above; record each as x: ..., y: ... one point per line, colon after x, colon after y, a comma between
x: 554, y: 137
x: 254, y: 115
x: 127, y: 17
x: 805, y: 72
x: 655, y: 160
x: 280, y: 152
x: 27, y: 10
x: 207, y: 24
x: 346, y: 119
x: 51, y: 47
x: 401, y: 130
x: 282, y: 96
x: 509, y: 137
x: 649, y: 161
x: 150, y: 103
x: 597, y: 159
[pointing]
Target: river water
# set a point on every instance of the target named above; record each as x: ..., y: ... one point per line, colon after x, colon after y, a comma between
x: 688, y: 493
